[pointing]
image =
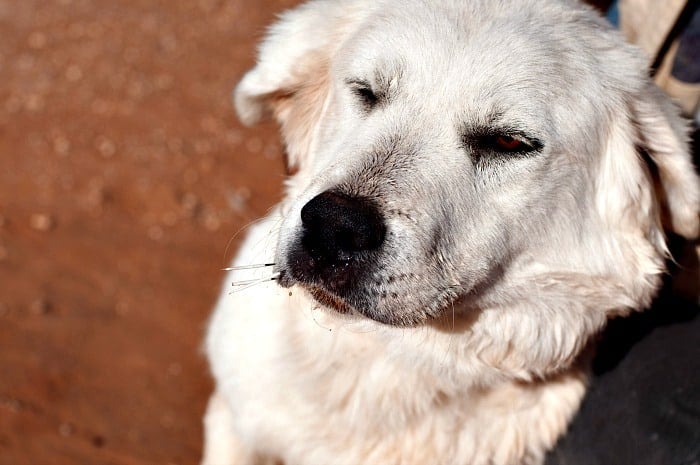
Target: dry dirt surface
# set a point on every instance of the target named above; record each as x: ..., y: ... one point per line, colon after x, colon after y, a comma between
x: 124, y: 181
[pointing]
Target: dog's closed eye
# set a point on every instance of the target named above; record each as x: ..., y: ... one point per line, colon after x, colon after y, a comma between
x: 509, y: 143
x: 502, y: 142
x: 364, y: 93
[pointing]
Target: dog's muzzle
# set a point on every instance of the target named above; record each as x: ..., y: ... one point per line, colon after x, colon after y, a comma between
x: 340, y: 235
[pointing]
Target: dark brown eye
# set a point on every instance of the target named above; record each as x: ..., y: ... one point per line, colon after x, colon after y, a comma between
x: 511, y: 143
x: 493, y: 143
x: 508, y: 144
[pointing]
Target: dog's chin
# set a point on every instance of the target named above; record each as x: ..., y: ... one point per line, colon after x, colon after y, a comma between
x: 343, y: 307
x: 331, y: 301
x: 342, y: 292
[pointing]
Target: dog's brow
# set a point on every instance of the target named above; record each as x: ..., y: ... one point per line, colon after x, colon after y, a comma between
x: 379, y: 85
x: 388, y: 79
x: 498, y: 121
x: 357, y: 82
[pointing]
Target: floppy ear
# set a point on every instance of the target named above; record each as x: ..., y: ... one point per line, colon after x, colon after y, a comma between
x: 664, y: 137
x: 634, y: 195
x: 291, y: 78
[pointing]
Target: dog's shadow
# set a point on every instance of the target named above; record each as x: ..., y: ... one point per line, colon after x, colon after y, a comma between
x: 643, y: 404
x: 677, y: 303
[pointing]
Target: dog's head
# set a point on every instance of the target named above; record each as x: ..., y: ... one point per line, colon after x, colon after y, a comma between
x: 469, y: 155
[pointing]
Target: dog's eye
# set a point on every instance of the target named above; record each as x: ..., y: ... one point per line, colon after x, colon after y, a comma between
x: 490, y: 144
x: 509, y: 143
x: 367, y: 96
x: 364, y: 93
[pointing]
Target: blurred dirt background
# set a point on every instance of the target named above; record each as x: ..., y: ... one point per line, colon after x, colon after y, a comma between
x: 124, y: 181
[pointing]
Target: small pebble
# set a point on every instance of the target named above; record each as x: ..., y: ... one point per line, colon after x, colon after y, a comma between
x: 37, y: 40
x: 41, y: 222
x: 34, y: 102
x: 211, y: 221
x: 15, y: 405
x: 105, y: 146
x: 189, y: 201
x: 122, y: 308
x: 155, y: 233
x: 233, y: 137
x: 66, y: 430
x: 238, y: 200
x: 74, y: 73
x: 95, y: 198
x: 61, y: 145
x: 202, y: 147
x: 40, y: 307
x: 271, y: 152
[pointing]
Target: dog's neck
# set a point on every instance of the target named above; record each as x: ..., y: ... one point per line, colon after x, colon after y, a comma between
x: 384, y: 378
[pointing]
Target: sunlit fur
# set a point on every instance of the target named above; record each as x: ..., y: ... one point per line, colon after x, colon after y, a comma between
x: 496, y: 272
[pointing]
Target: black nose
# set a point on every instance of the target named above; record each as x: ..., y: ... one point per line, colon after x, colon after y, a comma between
x: 337, y: 227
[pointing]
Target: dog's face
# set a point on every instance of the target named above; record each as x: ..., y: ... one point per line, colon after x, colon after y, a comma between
x: 463, y: 154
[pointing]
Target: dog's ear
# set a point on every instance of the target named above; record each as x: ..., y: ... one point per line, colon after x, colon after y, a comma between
x: 291, y: 78
x: 663, y: 136
x: 646, y: 174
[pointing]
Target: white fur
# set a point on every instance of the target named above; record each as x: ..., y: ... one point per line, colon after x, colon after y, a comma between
x: 484, y: 357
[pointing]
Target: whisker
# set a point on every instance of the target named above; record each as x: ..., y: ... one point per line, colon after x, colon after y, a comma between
x: 256, y: 280
x: 247, y: 267
x: 243, y: 285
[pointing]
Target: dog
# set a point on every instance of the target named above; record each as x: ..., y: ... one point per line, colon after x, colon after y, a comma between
x: 478, y: 187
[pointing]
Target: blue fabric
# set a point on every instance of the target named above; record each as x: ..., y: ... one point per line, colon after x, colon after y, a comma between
x: 686, y: 65
x: 614, y: 14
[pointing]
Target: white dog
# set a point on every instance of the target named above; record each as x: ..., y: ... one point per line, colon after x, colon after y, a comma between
x: 480, y: 186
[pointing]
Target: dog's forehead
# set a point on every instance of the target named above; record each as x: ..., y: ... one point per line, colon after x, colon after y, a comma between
x: 473, y: 50
x: 475, y: 61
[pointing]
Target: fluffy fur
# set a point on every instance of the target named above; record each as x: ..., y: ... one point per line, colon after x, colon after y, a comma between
x: 462, y: 338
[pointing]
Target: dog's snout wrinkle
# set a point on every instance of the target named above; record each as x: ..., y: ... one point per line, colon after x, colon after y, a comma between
x: 336, y: 226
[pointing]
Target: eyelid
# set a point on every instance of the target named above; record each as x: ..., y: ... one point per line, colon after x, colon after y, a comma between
x: 487, y: 140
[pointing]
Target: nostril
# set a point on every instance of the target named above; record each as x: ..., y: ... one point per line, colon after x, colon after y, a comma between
x: 336, y: 225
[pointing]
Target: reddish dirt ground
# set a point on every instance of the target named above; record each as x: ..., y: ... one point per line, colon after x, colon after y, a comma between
x: 124, y: 181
